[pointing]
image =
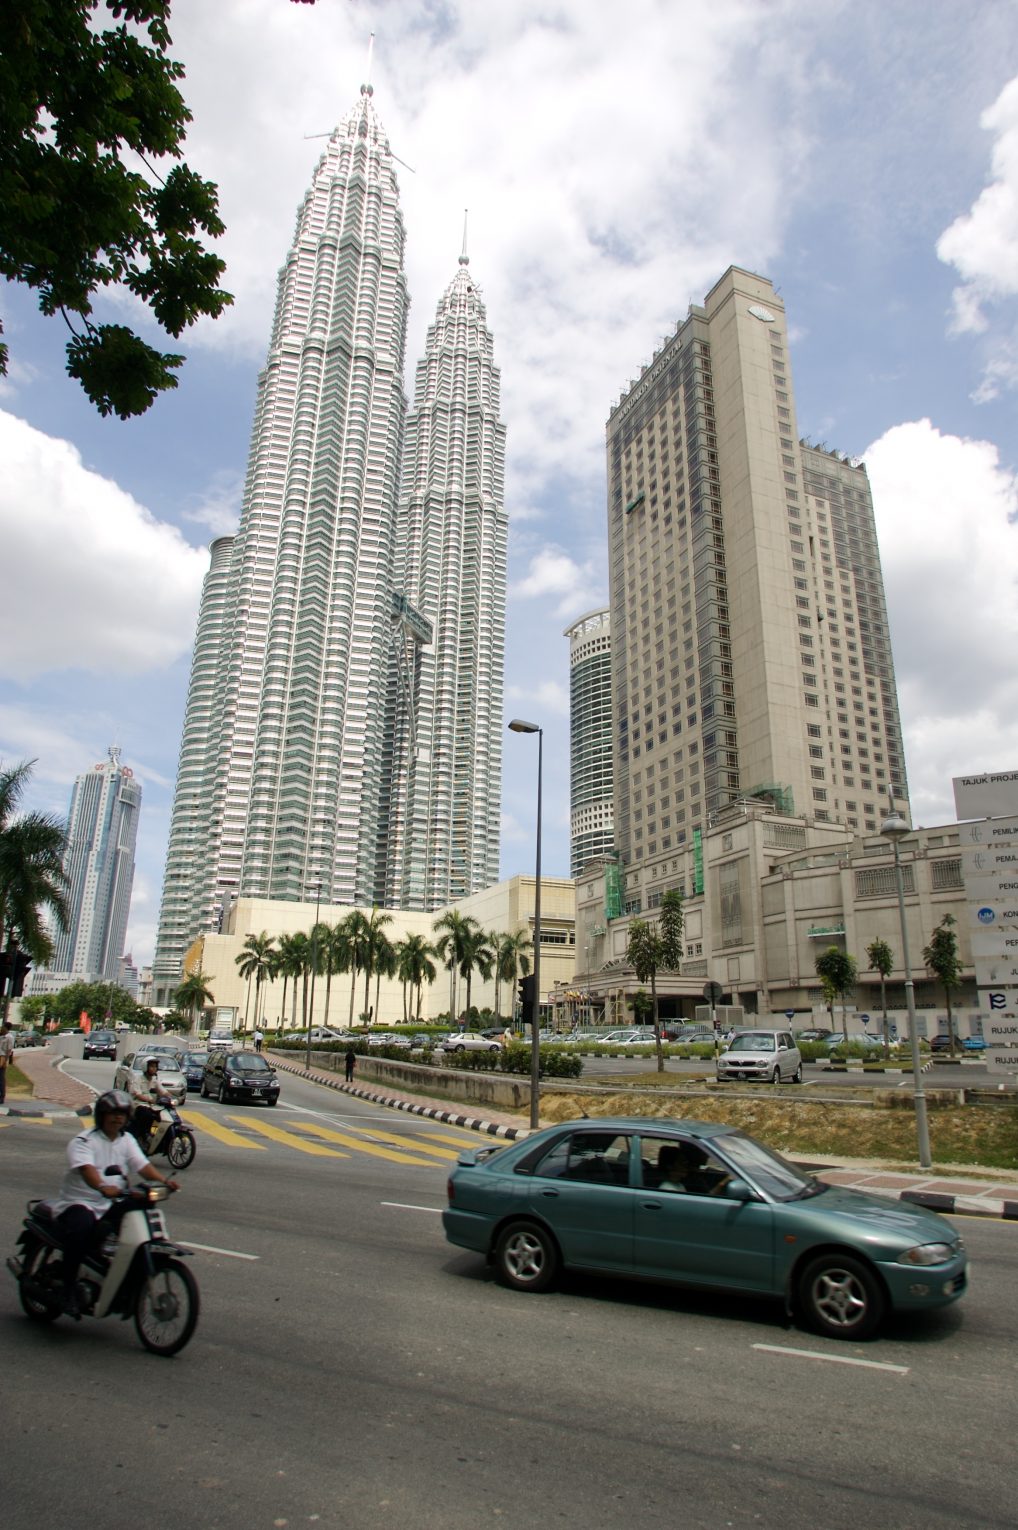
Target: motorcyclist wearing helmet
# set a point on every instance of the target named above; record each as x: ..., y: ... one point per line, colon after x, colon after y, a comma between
x: 145, y: 1097
x: 101, y: 1162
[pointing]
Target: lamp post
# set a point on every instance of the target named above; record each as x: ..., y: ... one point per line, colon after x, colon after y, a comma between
x: 895, y: 828
x: 314, y: 968
x: 519, y: 726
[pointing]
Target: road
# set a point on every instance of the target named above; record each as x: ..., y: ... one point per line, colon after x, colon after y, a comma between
x: 352, y: 1370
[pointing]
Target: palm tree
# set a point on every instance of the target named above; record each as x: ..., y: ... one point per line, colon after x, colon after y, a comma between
x: 355, y: 933
x: 384, y: 962
x: 451, y: 947
x: 415, y: 967
x: 255, y: 961
x: 31, y: 872
x: 477, y: 953
x: 291, y: 963
x: 193, y: 994
x: 511, y: 959
x: 337, y: 959
x: 375, y: 944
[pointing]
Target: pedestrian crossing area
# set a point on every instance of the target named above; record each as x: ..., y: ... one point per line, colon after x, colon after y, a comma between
x: 249, y: 1131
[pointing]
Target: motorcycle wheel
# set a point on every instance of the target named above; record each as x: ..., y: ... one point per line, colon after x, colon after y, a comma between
x: 181, y: 1151
x: 35, y: 1303
x: 166, y: 1308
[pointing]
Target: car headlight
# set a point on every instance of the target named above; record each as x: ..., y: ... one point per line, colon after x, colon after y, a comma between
x: 927, y: 1253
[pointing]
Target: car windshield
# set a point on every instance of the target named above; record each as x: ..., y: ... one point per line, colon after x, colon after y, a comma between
x: 195, y: 1059
x: 166, y: 1064
x: 751, y: 1041
x: 248, y: 1062
x: 767, y: 1170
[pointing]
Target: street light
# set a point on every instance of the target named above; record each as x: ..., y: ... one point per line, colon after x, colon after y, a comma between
x: 519, y: 726
x: 895, y: 828
x: 314, y: 968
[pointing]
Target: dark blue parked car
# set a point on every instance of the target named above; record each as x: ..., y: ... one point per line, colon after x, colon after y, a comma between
x: 193, y: 1064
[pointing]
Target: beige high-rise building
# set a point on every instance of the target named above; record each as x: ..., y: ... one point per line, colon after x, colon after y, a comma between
x: 751, y: 655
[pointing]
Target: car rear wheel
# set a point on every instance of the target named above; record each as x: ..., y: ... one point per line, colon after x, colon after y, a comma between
x: 841, y: 1297
x: 459, y: 1049
x: 526, y: 1257
x: 223, y: 1096
x: 203, y: 1092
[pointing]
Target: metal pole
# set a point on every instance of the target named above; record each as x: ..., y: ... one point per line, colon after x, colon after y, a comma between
x: 922, y: 1126
x: 535, y: 1048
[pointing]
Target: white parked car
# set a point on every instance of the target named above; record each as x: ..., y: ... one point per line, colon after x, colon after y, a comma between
x: 769, y: 1056
x: 171, y: 1078
x: 470, y: 1041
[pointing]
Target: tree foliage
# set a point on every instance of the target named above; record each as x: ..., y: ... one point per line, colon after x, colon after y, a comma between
x: 84, y: 111
x: 881, y: 960
x: 942, y: 958
x: 32, y: 879
x: 837, y: 972
x: 653, y: 948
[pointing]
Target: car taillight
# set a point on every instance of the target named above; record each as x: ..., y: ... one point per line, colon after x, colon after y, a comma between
x: 450, y: 1190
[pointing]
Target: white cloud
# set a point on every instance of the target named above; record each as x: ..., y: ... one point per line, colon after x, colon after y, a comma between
x: 553, y: 572
x: 543, y: 697
x: 94, y: 582
x: 946, y: 516
x: 982, y: 244
x: 218, y: 508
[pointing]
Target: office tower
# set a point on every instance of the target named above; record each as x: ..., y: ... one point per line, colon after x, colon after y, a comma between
x: 102, y: 827
x: 184, y: 888
x: 342, y: 738
x: 750, y: 649
x: 444, y: 788
x: 591, y: 815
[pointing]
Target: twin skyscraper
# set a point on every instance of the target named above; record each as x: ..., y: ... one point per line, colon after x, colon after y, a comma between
x: 342, y: 736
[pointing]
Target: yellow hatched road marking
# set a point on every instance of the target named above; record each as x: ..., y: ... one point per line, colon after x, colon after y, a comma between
x: 277, y: 1135
x: 470, y: 1139
x: 31, y: 1120
x: 360, y: 1145
x: 221, y: 1133
x: 411, y: 1143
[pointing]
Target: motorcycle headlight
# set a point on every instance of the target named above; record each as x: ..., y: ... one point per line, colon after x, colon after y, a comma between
x: 927, y: 1253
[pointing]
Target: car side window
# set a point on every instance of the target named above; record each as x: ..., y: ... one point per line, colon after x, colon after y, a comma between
x: 593, y: 1158
x: 681, y: 1168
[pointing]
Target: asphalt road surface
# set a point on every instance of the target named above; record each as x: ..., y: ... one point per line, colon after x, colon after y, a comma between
x: 353, y: 1370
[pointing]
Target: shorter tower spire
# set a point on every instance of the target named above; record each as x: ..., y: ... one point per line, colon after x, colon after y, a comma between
x: 464, y: 257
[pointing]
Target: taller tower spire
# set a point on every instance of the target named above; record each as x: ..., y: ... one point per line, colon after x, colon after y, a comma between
x: 446, y: 759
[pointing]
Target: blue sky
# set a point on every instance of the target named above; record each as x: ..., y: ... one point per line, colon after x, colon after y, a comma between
x: 862, y: 155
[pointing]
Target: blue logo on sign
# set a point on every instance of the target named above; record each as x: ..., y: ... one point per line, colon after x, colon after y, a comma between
x: 986, y: 916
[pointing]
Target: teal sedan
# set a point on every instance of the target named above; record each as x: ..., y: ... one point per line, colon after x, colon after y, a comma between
x: 696, y: 1203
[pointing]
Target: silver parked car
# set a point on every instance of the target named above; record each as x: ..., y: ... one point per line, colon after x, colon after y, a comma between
x: 768, y: 1056
x: 171, y: 1078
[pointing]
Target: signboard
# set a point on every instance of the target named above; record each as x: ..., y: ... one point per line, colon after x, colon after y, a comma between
x: 988, y: 916
x: 987, y: 860
x: 999, y: 1002
x: 1001, y: 887
x: 982, y: 796
x: 988, y: 831
x: 997, y: 971
x: 713, y: 993
x: 994, y: 941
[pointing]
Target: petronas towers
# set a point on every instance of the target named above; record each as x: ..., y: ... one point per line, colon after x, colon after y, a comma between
x: 342, y: 736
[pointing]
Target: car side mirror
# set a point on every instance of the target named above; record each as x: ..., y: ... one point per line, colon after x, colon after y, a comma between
x: 738, y: 1190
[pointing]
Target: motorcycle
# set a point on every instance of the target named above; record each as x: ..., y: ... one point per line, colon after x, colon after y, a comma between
x: 170, y: 1136
x: 135, y: 1272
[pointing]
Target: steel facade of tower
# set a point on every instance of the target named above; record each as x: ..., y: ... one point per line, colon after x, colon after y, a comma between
x: 289, y: 786
x: 449, y: 617
x: 591, y: 736
x: 102, y: 829
x: 750, y: 649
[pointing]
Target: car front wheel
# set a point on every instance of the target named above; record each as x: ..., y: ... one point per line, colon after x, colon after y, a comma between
x: 776, y: 1076
x: 526, y: 1257
x: 841, y: 1297
x: 797, y: 1075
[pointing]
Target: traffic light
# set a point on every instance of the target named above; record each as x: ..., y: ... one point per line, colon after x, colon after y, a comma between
x: 19, y: 962
x: 527, y: 994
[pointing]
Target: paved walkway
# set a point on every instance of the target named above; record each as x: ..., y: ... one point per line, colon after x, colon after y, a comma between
x: 975, y: 1192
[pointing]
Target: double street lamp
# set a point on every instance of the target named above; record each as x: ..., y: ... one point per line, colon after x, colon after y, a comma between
x: 519, y: 726
x: 895, y: 828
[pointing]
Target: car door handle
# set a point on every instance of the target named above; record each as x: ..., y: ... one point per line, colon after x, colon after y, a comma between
x: 650, y: 1205
x: 550, y: 1195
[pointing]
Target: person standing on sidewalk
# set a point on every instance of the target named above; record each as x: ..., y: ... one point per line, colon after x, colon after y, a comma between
x: 351, y: 1063
x: 258, y: 1039
x: 6, y: 1056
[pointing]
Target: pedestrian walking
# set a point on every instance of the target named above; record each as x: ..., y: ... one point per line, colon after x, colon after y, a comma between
x: 351, y: 1063
x: 6, y: 1055
x: 259, y: 1037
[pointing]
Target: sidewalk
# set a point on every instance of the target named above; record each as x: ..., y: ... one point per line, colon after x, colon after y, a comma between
x: 50, y: 1085
x: 980, y: 1194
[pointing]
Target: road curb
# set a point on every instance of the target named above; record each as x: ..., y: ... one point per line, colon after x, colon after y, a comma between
x: 962, y: 1205
x: 57, y: 1113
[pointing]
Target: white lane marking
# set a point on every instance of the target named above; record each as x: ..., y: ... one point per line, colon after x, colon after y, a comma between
x: 406, y: 1206
x: 816, y: 1354
x: 208, y: 1248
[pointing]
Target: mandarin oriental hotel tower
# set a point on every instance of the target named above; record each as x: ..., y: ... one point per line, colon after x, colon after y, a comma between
x: 350, y: 651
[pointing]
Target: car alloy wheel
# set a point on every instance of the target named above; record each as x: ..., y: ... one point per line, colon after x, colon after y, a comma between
x: 223, y: 1096
x: 526, y: 1256
x: 776, y: 1076
x: 841, y: 1297
x: 797, y: 1075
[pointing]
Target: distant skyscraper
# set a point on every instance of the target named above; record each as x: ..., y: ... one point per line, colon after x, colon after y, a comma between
x: 591, y: 816
x: 102, y: 827
x: 329, y: 681
x: 446, y: 761
x: 750, y: 647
